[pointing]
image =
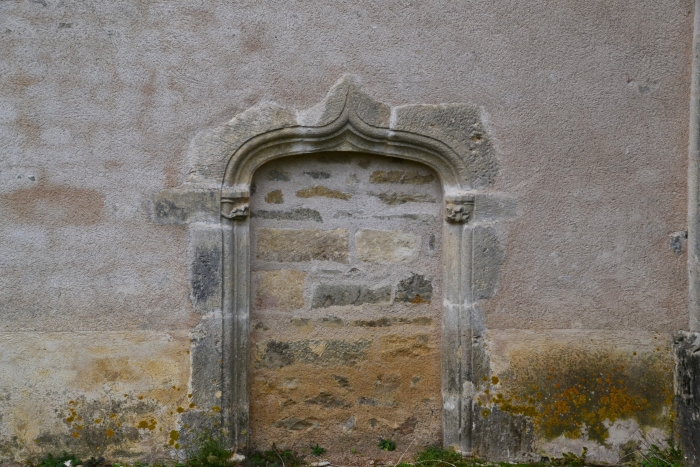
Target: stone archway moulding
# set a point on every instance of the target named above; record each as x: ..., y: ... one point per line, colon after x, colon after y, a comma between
x: 214, y: 203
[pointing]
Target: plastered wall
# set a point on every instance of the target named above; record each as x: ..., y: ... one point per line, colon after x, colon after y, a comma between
x: 586, y: 107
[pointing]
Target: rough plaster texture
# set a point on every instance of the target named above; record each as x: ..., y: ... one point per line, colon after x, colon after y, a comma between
x: 585, y: 103
x: 349, y: 360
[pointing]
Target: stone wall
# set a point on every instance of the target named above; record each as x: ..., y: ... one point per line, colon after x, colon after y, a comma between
x: 346, y: 293
x: 111, y: 257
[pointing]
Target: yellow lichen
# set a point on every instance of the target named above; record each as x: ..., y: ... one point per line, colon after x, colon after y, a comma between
x: 586, y: 391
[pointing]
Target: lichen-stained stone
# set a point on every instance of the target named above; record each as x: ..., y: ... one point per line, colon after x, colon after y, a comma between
x: 394, y: 198
x: 324, y: 192
x: 414, y: 289
x: 318, y: 175
x: 328, y: 401
x: 402, y: 177
x: 274, y: 197
x: 278, y: 354
x: 299, y: 214
x: 289, y: 245
x: 278, y: 175
x: 327, y: 295
x: 282, y: 290
x: 395, y: 345
x: 387, y: 246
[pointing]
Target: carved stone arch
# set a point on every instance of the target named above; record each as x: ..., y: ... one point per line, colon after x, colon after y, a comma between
x: 346, y: 133
x: 451, y: 139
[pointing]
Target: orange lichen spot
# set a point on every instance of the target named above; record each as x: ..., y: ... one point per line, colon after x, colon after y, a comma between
x: 494, y: 379
x: 71, y: 402
x: 188, y: 352
x: 180, y: 409
x: 216, y: 408
x: 176, y: 445
x: 112, y: 415
x: 140, y: 398
x: 484, y: 379
x: 126, y: 395
x: 143, y: 424
x: 634, y: 353
x: 75, y: 434
x: 486, y: 391
x: 79, y: 418
x: 417, y: 299
x: 485, y: 413
x: 98, y: 420
x: 191, y: 405
x: 70, y: 419
x: 174, y: 436
x: 189, y: 395
x: 79, y: 427
x: 109, y: 433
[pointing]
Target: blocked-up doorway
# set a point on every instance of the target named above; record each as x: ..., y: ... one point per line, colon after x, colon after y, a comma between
x: 345, y: 319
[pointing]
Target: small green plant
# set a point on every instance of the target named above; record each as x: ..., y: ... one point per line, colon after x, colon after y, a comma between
x: 274, y: 458
x: 433, y: 455
x: 670, y: 456
x: 317, y: 450
x: 57, y: 461
x: 92, y: 462
x: 210, y: 452
x: 569, y: 459
x: 386, y: 445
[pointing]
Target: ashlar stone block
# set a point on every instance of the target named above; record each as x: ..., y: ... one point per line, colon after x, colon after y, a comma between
x: 292, y: 245
x: 282, y: 290
x: 387, y: 246
x: 327, y: 295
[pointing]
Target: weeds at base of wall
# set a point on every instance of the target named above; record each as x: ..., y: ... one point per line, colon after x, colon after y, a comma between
x: 210, y: 452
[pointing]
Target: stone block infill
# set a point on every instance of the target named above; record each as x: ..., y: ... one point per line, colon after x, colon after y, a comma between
x: 344, y: 274
x: 294, y: 245
x: 282, y: 290
x: 379, y: 246
x: 327, y: 295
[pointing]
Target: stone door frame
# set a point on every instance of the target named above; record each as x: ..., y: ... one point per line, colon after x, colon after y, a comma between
x: 214, y: 203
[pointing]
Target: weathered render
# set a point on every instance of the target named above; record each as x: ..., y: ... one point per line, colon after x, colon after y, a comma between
x: 533, y: 156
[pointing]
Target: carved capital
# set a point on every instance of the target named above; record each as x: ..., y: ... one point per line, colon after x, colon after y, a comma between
x: 459, y: 209
x: 235, y: 205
